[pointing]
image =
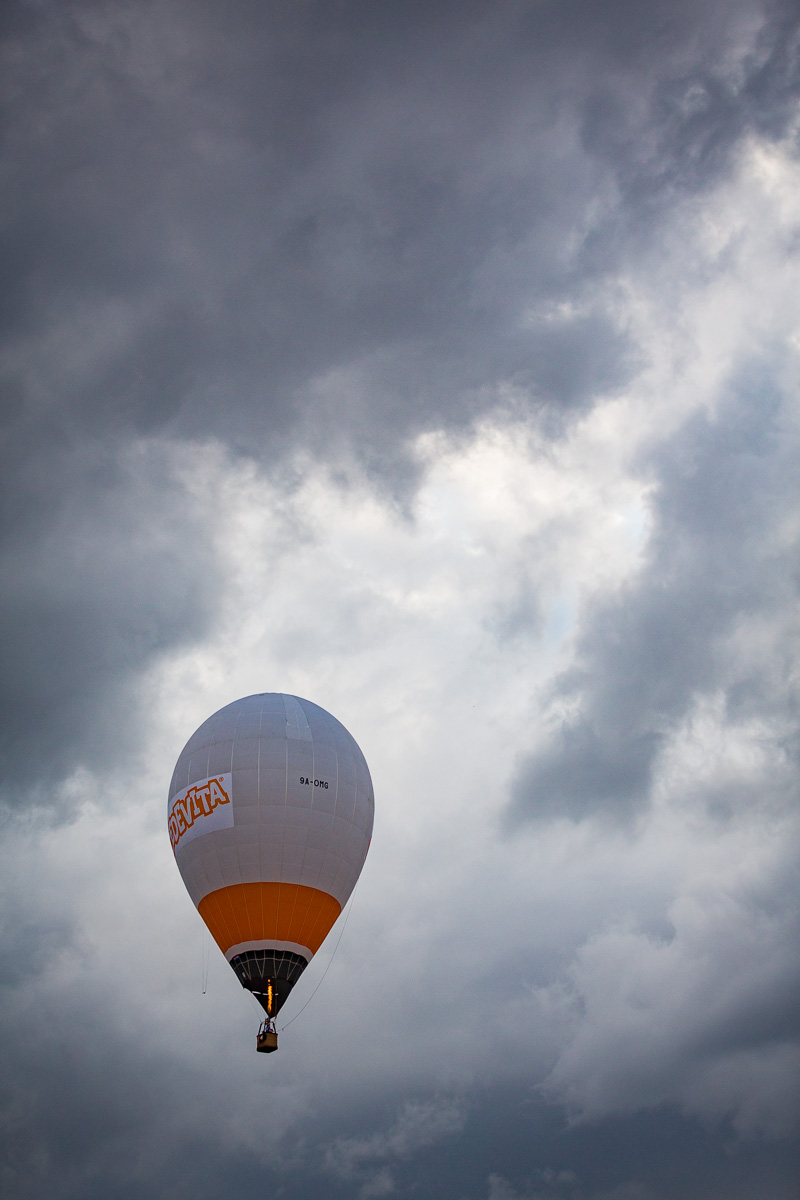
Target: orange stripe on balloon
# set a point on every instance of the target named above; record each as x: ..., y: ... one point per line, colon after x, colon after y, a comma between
x: 269, y: 912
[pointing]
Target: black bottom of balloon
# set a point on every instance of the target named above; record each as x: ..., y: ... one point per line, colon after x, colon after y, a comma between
x: 270, y: 975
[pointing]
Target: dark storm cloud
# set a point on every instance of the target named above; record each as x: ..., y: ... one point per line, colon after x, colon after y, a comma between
x: 210, y: 211
x: 514, y: 1147
x: 93, y: 1112
x: 271, y: 196
x: 109, y: 571
x: 648, y: 653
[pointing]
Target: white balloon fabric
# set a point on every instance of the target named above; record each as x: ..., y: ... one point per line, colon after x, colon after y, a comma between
x: 270, y: 817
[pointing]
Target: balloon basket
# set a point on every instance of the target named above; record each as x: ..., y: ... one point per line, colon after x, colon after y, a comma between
x: 266, y: 1042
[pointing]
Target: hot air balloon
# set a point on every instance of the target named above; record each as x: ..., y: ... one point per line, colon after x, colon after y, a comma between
x: 270, y: 817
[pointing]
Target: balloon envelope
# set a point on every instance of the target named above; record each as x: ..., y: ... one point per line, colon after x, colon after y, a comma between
x: 270, y: 817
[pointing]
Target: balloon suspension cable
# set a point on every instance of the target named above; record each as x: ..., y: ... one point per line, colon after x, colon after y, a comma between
x: 330, y: 960
x: 206, y: 954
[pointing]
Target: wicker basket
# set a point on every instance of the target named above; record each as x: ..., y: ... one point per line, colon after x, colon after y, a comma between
x: 266, y: 1043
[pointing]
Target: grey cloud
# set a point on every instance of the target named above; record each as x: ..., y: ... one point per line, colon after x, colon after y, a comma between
x: 94, y: 1108
x: 648, y: 652
x: 106, y: 1117
x: 516, y: 1148
x: 212, y: 214
x: 281, y: 200
x: 370, y: 1160
x: 91, y: 1113
x: 695, y: 111
x: 686, y: 1019
x: 116, y: 572
x: 549, y: 1184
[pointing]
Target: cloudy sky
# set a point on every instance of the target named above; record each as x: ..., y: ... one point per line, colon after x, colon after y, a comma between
x: 437, y: 362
